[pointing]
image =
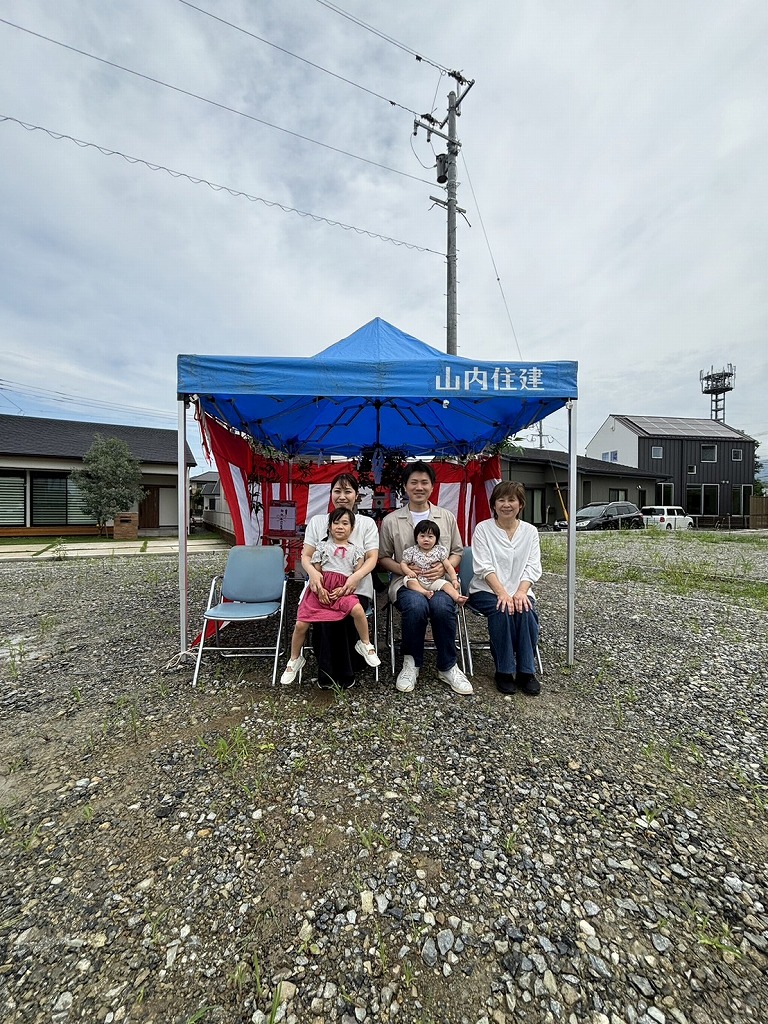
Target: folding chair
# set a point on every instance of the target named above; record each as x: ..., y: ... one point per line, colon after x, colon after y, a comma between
x: 466, y: 571
x: 461, y: 628
x: 252, y: 589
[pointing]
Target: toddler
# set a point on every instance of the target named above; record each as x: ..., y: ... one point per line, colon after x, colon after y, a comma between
x: 426, y: 552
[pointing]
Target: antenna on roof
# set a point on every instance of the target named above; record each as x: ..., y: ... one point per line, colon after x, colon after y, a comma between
x: 718, y: 383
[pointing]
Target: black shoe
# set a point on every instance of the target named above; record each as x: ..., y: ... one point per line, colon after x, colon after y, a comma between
x: 505, y: 683
x: 528, y: 684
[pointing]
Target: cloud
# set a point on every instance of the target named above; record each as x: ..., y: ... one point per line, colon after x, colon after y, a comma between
x: 613, y: 154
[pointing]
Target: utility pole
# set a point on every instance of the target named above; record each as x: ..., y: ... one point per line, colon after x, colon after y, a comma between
x: 446, y: 175
x: 450, y: 207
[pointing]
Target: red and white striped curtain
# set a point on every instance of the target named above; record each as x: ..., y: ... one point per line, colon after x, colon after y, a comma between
x: 247, y: 479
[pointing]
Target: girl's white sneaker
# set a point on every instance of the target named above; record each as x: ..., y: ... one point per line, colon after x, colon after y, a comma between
x: 369, y: 655
x: 292, y: 669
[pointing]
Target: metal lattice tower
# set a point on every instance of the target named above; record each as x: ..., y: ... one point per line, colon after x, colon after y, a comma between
x: 717, y: 384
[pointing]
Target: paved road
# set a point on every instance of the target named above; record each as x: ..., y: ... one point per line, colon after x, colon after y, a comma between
x: 75, y: 548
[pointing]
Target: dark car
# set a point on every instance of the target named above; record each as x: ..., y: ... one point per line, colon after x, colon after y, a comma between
x: 612, y: 515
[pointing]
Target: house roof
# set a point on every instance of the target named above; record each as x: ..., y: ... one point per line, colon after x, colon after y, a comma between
x: 680, y: 426
x: 588, y: 467
x: 37, y: 437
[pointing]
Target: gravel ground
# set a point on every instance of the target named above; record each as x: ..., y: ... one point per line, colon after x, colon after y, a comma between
x: 241, y: 854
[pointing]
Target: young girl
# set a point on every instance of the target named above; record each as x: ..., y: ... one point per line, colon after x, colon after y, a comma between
x: 426, y: 552
x: 337, y: 559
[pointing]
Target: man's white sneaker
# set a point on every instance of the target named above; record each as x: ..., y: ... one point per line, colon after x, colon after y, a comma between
x: 406, y: 681
x: 368, y: 654
x: 456, y: 679
x: 292, y: 669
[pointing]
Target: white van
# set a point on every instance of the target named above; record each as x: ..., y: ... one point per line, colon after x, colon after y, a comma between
x: 666, y: 517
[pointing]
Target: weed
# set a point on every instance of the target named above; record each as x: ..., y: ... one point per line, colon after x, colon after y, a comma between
x: 30, y: 841
x: 199, y: 1014
x: 46, y: 624
x: 239, y: 977
x: 5, y: 822
x: 370, y: 837
x: 409, y: 973
x: 58, y: 549
x: 720, y: 938
x: 510, y: 842
x: 275, y: 1005
x: 231, y: 751
x: 88, y: 813
x: 16, y: 654
x: 131, y: 706
x: 77, y: 694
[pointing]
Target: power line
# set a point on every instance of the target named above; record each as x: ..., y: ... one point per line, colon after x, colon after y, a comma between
x: 64, y: 398
x: 213, y: 103
x: 235, y: 193
x: 304, y: 60
x: 384, y: 36
x: 490, y: 253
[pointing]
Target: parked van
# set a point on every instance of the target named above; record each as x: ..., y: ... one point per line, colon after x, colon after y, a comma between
x: 667, y: 517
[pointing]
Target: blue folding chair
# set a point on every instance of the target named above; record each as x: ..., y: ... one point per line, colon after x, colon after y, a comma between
x: 252, y: 589
x: 466, y: 571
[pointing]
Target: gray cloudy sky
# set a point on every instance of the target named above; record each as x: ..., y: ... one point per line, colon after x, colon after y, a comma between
x: 617, y: 153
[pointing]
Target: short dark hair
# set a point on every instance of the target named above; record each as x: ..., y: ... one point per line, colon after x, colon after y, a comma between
x: 346, y: 478
x: 418, y: 467
x: 336, y: 515
x: 507, y: 489
x: 426, y: 526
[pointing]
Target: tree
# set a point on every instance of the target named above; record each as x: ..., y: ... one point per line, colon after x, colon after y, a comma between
x: 110, y: 480
x: 759, y: 484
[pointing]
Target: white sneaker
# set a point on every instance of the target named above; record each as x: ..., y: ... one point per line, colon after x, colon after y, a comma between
x: 456, y: 679
x: 406, y: 681
x: 368, y: 654
x: 292, y: 669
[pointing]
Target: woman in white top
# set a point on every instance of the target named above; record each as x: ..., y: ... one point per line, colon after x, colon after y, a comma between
x: 507, y: 562
x: 334, y: 642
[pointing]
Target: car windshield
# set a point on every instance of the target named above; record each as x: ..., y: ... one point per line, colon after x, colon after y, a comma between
x: 590, y: 511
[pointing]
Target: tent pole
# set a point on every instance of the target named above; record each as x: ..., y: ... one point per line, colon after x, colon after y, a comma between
x: 183, y: 523
x: 571, y: 556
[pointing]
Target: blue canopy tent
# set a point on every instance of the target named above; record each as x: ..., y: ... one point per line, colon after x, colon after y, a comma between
x: 381, y: 388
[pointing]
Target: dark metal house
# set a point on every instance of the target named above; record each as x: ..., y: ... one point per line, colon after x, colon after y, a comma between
x: 702, y: 464
x: 545, y: 475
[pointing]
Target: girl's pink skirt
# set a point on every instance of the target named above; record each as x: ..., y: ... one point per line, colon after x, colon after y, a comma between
x: 311, y: 610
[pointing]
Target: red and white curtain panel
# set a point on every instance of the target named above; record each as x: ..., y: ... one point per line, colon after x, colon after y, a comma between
x: 249, y: 481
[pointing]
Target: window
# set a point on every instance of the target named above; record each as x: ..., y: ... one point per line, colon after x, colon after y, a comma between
x: 617, y: 494
x: 12, y: 499
x: 710, y: 499
x: 657, y: 452
x: 610, y: 456
x: 736, y: 455
x: 665, y: 494
x: 693, y: 501
x: 691, y: 471
x: 709, y: 453
x: 534, y: 511
x: 57, y: 501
